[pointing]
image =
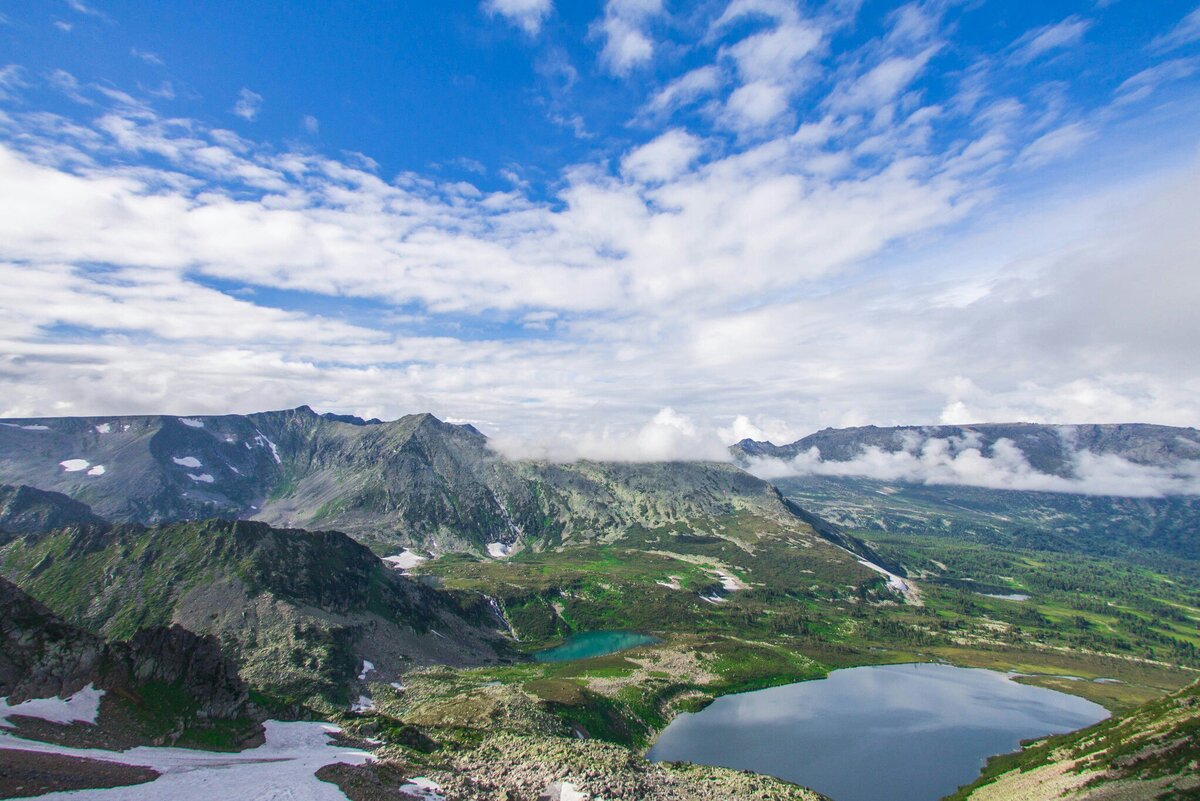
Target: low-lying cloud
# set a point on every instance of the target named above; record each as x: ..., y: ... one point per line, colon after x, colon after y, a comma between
x: 953, y: 461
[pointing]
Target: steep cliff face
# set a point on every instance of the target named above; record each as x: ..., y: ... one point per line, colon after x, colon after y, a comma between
x: 170, y: 679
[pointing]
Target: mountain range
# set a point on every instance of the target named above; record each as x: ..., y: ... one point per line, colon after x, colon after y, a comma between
x: 414, y: 482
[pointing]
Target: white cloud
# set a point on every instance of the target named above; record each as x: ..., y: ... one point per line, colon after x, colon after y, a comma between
x: 1059, y: 143
x: 1185, y: 32
x: 663, y: 158
x: 149, y: 58
x: 525, y: 14
x: 882, y: 83
x: 686, y: 89
x: 310, y: 123
x: 1038, y: 42
x: 960, y: 461
x: 668, y: 436
x: 248, y: 104
x: 1144, y: 83
x: 627, y: 44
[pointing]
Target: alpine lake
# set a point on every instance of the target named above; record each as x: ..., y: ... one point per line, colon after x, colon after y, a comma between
x: 910, y: 732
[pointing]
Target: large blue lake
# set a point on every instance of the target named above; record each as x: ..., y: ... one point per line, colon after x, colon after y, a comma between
x: 900, y: 732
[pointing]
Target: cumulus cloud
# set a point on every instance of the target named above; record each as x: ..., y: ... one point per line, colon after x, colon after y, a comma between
x: 960, y: 461
x: 663, y: 158
x: 525, y: 14
x: 668, y: 436
x: 627, y: 43
x: 248, y: 104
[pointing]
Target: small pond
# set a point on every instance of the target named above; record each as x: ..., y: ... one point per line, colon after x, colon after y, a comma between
x: 594, y: 643
x: 900, y: 732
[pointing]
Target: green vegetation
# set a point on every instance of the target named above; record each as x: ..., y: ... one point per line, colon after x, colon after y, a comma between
x: 1156, y: 747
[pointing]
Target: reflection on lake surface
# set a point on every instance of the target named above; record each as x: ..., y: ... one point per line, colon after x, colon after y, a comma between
x: 594, y: 643
x: 897, y: 732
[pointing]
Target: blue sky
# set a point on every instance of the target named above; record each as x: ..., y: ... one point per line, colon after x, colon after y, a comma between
x: 629, y: 228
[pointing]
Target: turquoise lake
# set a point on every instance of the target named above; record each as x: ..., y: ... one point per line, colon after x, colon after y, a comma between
x: 896, y: 732
x: 594, y: 643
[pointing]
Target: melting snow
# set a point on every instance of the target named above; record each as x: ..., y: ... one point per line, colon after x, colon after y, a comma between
x: 395, y: 685
x: 498, y: 550
x: 262, y: 441
x: 104, y: 428
x: 405, y: 560
x: 98, y: 470
x: 363, y: 704
x: 672, y: 584
x: 894, y: 582
x: 191, y: 422
x: 205, y: 477
x: 82, y: 707
x: 186, y: 461
x: 75, y: 465
x: 367, y: 667
x: 422, y: 788
x: 713, y: 599
x: 729, y: 581
x: 280, y: 768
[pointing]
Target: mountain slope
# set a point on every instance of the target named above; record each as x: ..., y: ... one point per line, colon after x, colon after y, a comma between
x: 1152, y: 752
x: 300, y: 610
x: 25, y: 510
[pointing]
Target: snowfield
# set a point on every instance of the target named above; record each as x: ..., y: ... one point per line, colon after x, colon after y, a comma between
x: 498, y: 550
x: 74, y: 465
x: 187, y: 461
x: 405, y: 560
x: 280, y: 769
x: 82, y: 707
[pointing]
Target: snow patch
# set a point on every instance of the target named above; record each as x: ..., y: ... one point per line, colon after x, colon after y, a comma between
x: 75, y: 465
x: 423, y: 789
x: 98, y: 470
x: 35, y: 428
x: 263, y: 442
x: 672, y: 583
x: 191, y: 422
x: 397, y: 686
x: 730, y: 582
x: 405, y: 560
x: 713, y: 599
x: 82, y: 707
x: 205, y: 478
x: 103, y: 428
x: 498, y: 550
x: 894, y: 582
x: 280, y: 768
x: 367, y: 667
x: 363, y: 704
x: 187, y: 461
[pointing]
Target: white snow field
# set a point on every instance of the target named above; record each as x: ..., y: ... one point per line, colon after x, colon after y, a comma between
x: 82, y: 707
x: 279, y: 770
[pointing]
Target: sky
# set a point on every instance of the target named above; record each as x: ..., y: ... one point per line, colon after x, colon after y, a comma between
x: 622, y: 229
